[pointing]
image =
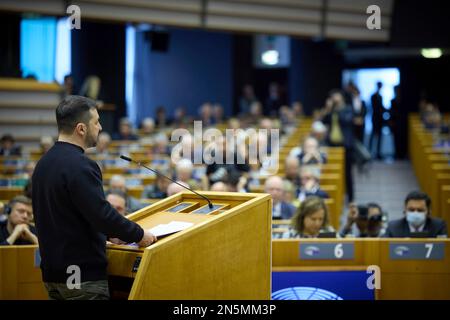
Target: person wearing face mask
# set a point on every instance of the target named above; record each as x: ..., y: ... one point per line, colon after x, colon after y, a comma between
x: 417, y: 219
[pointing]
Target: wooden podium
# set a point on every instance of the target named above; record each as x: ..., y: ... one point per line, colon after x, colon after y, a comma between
x: 225, y: 254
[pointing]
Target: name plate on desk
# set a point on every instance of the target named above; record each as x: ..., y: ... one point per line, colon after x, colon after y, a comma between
x: 327, y: 251
x: 416, y: 251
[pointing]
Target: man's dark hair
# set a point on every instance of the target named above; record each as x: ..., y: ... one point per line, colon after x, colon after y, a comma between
x: 374, y: 205
x: 73, y: 110
x: 7, y: 137
x: 418, y: 195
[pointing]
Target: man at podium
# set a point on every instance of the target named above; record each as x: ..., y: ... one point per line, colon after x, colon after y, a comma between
x: 73, y: 219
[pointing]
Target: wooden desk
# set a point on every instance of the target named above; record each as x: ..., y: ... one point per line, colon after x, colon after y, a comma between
x: 400, y: 279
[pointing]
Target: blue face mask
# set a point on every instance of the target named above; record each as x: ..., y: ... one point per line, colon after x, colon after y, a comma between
x: 415, y: 218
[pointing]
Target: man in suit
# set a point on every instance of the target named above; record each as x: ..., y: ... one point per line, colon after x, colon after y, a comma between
x: 339, y: 117
x: 417, y: 219
x: 377, y: 119
x: 7, y: 146
x: 280, y: 208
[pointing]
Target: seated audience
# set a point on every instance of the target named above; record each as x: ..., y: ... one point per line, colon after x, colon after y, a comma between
x: 17, y: 229
x: 292, y: 171
x: 363, y: 221
x: 161, y: 119
x: 174, y: 188
x: 417, y: 218
x: 161, y: 145
x: 46, y: 143
x: 217, y: 113
x: 8, y: 147
x: 101, y: 149
x: 310, y: 219
x: 117, y: 199
x: 147, y: 131
x: 125, y: 131
x: 309, y: 152
x: 280, y: 208
x: 289, y: 191
x: 219, y: 186
x: 319, y: 131
x: 183, y: 172
x: 158, y: 190
x: 310, y: 186
x: 118, y: 182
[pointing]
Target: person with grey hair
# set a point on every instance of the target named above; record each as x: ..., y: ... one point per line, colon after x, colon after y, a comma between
x: 118, y: 182
x: 183, y: 172
x: 280, y: 209
x: 125, y: 131
x: 310, y: 177
x: 147, y: 131
x: 174, y: 188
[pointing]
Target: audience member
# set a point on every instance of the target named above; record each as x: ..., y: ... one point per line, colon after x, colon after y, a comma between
x: 292, y: 171
x: 125, y: 131
x: 17, y: 229
x: 310, y: 219
x: 46, y: 143
x: 118, y: 182
x: 8, y: 147
x: 117, y: 199
x: 280, y: 208
x: 377, y: 120
x: 363, y: 221
x: 309, y: 186
x: 417, y: 218
x: 158, y: 190
x: 246, y: 100
x: 339, y: 117
x: 174, y: 188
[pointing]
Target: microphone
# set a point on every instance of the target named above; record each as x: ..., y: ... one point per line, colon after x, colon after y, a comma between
x: 160, y: 174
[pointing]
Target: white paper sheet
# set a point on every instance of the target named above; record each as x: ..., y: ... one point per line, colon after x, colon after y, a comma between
x: 171, y: 227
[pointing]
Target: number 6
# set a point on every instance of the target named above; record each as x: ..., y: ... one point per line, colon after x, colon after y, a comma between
x: 338, y: 251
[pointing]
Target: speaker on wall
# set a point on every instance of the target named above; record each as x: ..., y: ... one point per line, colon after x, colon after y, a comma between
x: 159, y: 40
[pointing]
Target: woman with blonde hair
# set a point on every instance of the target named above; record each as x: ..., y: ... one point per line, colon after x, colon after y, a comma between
x: 310, y: 219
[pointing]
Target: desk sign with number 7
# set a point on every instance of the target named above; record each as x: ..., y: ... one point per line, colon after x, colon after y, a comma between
x: 416, y: 251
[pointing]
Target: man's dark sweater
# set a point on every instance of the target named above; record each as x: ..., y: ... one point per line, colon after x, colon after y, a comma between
x: 73, y: 219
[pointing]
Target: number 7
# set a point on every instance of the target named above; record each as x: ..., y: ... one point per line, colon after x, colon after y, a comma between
x: 429, y: 247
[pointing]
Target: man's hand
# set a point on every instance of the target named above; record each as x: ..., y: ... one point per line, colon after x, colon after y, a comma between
x: 352, y: 214
x: 116, y: 241
x: 16, y: 233
x: 28, y: 235
x: 147, y: 239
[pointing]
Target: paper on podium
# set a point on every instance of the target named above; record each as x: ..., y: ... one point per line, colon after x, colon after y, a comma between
x: 169, y: 228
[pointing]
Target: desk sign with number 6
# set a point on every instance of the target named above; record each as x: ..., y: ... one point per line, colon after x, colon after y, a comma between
x: 327, y: 251
x: 416, y: 251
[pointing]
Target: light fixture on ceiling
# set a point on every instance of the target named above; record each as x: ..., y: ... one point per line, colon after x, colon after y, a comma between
x: 270, y: 57
x: 431, y: 53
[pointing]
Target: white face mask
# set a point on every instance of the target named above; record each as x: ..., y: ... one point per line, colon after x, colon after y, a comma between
x: 416, y: 218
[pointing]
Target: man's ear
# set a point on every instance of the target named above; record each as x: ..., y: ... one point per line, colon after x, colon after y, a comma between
x: 80, y: 129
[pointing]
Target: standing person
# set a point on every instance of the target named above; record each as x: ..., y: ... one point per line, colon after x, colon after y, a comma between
x: 377, y: 120
x: 73, y: 218
x: 339, y: 118
x: 398, y: 124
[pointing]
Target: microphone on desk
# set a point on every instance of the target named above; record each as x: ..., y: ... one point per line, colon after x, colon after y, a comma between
x: 162, y: 175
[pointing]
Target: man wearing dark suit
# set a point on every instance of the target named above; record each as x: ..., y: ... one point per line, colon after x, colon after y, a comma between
x: 7, y: 147
x: 339, y: 118
x: 417, y: 219
x: 377, y: 119
x: 280, y: 209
